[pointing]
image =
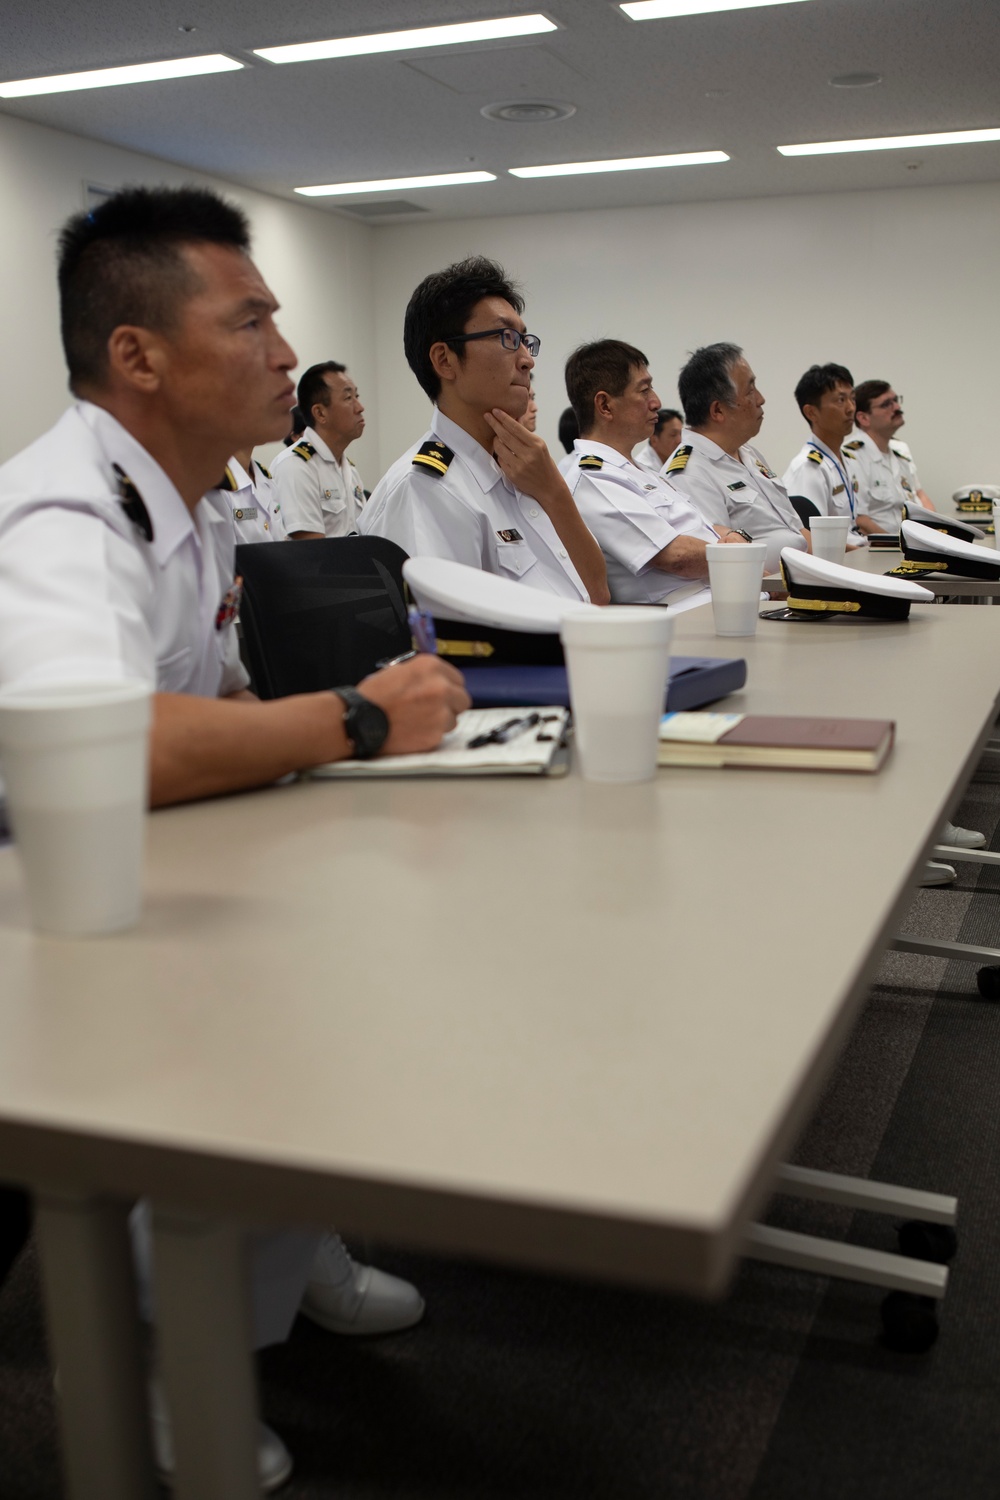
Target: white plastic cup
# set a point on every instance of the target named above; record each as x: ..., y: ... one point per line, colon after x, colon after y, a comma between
x: 829, y: 537
x: 735, y: 574
x: 74, y: 757
x: 617, y: 661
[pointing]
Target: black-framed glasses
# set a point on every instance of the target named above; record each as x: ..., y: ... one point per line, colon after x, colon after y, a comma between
x: 509, y: 339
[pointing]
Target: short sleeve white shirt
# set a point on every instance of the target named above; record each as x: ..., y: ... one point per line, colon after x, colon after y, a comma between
x: 633, y: 514
x: 741, y: 492
x: 831, y: 483
x: 463, y: 507
x: 251, y: 501
x: 887, y: 480
x: 646, y: 457
x: 316, y: 492
x: 86, y: 593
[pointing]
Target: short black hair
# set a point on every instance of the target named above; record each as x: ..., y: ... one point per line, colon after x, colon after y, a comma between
x: 312, y: 389
x: 819, y: 379
x: 707, y: 377
x: 664, y: 415
x: 122, y: 263
x: 442, y: 305
x: 298, y: 427
x: 867, y: 392
x: 606, y: 365
x: 569, y: 429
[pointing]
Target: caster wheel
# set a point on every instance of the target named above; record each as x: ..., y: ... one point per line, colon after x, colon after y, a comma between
x: 988, y: 982
x: 909, y: 1322
x: 921, y: 1241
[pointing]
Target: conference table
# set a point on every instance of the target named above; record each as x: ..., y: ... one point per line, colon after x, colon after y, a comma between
x: 558, y: 1025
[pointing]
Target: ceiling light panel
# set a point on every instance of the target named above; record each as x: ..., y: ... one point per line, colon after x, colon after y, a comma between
x: 106, y: 78
x: 656, y: 10
x: 407, y: 41
x: 625, y: 164
x: 892, y: 142
x: 395, y: 184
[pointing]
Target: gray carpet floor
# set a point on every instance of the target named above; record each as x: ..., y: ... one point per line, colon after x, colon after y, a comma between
x: 520, y: 1387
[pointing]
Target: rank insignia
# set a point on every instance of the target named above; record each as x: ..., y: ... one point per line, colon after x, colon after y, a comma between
x: 433, y: 455
x: 230, y: 606
x: 591, y: 461
x: 266, y: 472
x: 679, y: 461
x: 305, y: 451
x: 510, y: 535
x: 853, y: 447
x: 815, y: 456
x: 227, y: 482
x: 133, y: 504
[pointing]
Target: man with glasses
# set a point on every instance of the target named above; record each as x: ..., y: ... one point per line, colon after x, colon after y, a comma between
x: 886, y: 470
x: 479, y: 488
x: 823, y: 470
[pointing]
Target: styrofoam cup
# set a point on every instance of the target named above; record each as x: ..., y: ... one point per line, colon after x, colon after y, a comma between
x: 617, y: 661
x: 829, y: 537
x: 735, y: 573
x: 74, y: 757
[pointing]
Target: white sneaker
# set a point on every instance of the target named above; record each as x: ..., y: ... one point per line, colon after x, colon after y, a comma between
x: 938, y: 874
x: 274, y: 1462
x: 345, y: 1297
x: 962, y: 838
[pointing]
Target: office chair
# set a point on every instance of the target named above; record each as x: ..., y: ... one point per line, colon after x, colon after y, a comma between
x: 318, y: 614
x: 804, y: 508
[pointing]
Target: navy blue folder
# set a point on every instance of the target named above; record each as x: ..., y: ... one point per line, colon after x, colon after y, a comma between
x: 694, y: 681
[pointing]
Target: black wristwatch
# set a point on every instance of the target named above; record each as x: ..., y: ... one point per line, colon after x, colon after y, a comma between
x: 365, y: 724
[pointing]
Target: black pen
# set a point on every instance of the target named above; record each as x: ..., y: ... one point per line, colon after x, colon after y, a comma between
x: 503, y: 732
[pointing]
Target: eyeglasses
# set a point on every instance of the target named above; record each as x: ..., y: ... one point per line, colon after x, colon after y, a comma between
x: 509, y: 339
x: 887, y: 403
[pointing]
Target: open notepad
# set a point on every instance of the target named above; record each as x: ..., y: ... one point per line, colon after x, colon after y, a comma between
x: 535, y: 747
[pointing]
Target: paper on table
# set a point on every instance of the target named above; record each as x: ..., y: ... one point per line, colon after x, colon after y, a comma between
x: 702, y: 729
x: 535, y: 750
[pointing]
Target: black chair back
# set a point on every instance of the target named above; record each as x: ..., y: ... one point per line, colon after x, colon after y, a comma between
x: 317, y: 615
x: 804, y: 508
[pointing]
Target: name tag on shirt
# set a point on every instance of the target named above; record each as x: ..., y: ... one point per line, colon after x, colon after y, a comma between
x: 838, y: 489
x: 510, y: 535
x: 248, y: 513
x: 737, y: 484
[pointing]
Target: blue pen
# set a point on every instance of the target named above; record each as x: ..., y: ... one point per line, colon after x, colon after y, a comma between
x: 421, y: 623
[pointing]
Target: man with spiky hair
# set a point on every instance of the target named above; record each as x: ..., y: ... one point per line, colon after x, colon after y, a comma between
x: 113, y: 566
x: 823, y: 470
x: 480, y: 488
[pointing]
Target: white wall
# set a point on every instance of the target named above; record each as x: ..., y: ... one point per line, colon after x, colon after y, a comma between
x: 896, y: 285
x: 318, y: 266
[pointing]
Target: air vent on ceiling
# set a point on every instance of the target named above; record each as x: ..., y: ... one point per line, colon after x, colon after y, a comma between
x: 528, y: 111
x: 383, y: 208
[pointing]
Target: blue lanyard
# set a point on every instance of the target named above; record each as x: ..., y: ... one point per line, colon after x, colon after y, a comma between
x: 848, y: 486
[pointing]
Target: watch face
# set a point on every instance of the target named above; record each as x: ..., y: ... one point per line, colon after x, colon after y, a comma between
x: 367, y: 726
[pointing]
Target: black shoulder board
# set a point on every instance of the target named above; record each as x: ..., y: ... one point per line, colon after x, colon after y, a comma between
x: 591, y: 461
x: 266, y: 472
x: 679, y: 460
x: 227, y: 481
x: 433, y: 455
x: 853, y: 447
x: 815, y: 456
x: 305, y: 451
x: 133, y: 504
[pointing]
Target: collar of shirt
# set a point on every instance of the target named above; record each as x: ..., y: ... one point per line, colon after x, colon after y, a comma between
x: 310, y: 435
x: 485, y: 468
x: 610, y: 455
x: 241, y: 478
x: 172, y: 521
x: 706, y: 446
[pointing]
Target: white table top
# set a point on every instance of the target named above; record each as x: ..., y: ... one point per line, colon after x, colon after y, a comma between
x: 567, y: 1025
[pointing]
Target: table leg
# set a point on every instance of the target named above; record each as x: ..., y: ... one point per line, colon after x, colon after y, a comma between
x: 203, y: 1322
x: 96, y: 1345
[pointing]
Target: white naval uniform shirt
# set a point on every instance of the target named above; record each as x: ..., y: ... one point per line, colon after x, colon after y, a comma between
x: 470, y: 513
x: 831, y: 483
x: 888, y: 480
x: 742, y: 492
x: 251, y: 503
x: 634, y: 515
x: 84, y: 594
x: 316, y: 492
x: 646, y: 457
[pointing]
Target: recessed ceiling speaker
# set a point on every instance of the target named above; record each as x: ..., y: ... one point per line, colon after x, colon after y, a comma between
x: 528, y: 111
x: 856, y: 80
